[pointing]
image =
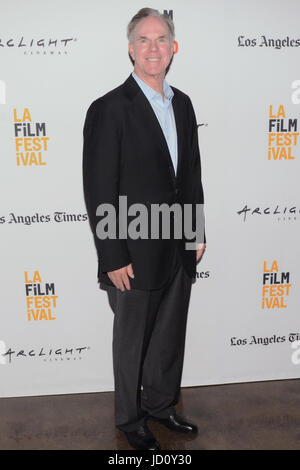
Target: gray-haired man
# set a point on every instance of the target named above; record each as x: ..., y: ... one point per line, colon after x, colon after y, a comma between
x: 140, y: 140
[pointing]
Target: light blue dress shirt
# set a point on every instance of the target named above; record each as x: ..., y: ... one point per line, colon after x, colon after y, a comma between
x: 164, y: 112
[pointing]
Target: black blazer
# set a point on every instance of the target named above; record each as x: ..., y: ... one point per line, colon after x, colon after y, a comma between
x: 125, y: 153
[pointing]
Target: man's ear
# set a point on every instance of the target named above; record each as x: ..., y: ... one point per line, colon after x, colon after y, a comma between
x: 130, y: 51
x: 130, y: 58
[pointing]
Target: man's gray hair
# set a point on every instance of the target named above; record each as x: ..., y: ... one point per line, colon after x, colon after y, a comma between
x: 143, y: 13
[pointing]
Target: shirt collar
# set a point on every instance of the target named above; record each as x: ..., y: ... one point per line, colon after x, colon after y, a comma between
x: 150, y: 92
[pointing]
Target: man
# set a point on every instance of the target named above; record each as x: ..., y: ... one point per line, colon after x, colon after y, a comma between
x: 140, y: 141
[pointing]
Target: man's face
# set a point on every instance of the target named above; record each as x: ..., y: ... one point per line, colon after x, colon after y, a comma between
x: 151, y: 48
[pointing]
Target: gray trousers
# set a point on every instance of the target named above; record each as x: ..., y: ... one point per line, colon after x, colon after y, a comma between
x: 148, y: 348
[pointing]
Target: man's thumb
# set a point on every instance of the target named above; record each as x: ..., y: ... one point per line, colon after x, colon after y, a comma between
x: 130, y: 271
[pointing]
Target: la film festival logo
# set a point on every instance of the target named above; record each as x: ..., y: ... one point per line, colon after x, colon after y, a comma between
x: 283, y: 136
x: 31, y: 140
x: 276, y: 287
x: 41, y: 300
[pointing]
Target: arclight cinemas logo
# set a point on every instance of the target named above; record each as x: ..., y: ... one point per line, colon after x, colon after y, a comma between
x: 41, y: 45
x: 45, y: 353
x: 281, y: 212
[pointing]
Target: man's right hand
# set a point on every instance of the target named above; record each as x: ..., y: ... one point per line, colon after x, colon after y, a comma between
x: 119, y: 277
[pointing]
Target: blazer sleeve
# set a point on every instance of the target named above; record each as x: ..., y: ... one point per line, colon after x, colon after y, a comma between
x: 101, y: 172
x: 197, y: 173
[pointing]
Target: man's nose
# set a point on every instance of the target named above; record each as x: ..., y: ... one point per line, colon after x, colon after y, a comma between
x: 153, y: 45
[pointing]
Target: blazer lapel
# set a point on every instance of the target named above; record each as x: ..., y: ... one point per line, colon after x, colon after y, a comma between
x: 179, y: 129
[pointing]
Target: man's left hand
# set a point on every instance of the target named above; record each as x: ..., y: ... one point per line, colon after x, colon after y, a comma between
x: 200, y: 250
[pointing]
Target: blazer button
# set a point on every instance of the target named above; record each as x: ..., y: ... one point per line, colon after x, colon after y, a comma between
x: 176, y: 191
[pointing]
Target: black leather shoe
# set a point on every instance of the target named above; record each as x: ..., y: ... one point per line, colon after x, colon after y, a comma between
x: 178, y: 423
x: 142, y: 439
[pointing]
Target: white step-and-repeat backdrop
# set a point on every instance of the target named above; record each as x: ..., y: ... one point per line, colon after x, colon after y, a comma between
x: 238, y: 60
